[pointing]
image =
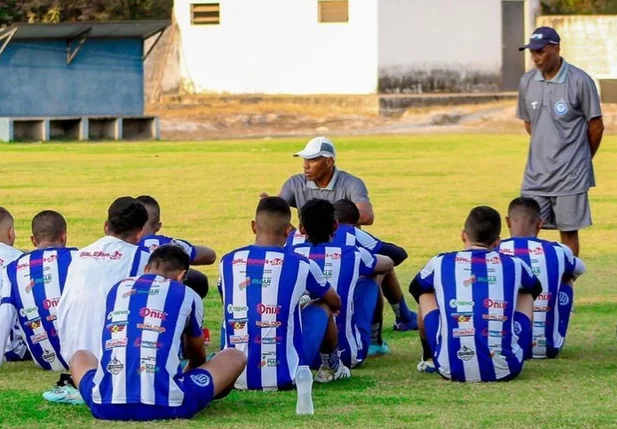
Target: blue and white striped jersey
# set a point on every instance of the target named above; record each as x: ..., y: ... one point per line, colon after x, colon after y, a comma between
x: 146, y: 317
x: 261, y: 289
x: 94, y: 271
x: 15, y: 345
x: 153, y: 241
x: 549, y: 262
x: 342, y: 266
x: 345, y: 235
x: 31, y: 289
x: 476, y: 293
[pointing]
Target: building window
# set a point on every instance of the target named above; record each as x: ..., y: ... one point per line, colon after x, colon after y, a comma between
x: 333, y: 10
x: 206, y: 14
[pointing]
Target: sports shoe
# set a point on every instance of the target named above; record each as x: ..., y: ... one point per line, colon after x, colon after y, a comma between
x: 64, y: 395
x: 326, y: 375
x: 426, y: 366
x: 407, y: 325
x: 379, y: 349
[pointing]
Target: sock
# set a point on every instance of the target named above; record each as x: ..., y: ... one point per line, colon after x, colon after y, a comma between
x: 376, y: 333
x: 331, y: 360
x: 397, y: 310
x: 426, y: 350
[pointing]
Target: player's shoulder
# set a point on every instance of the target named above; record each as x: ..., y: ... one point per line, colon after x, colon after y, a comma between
x: 233, y: 255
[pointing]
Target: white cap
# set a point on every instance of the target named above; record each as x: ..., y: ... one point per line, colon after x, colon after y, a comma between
x: 319, y: 146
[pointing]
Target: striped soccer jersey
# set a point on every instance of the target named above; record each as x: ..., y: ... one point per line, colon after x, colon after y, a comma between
x: 550, y: 262
x: 261, y: 289
x: 153, y: 241
x: 345, y: 235
x: 476, y: 293
x: 15, y: 345
x: 146, y: 317
x: 342, y: 266
x: 31, y: 289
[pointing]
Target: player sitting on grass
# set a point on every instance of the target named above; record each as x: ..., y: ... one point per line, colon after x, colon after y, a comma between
x: 93, y: 271
x: 200, y: 255
x: 31, y: 288
x: 139, y: 376
x: 554, y: 265
x: 476, y: 306
x: 15, y: 349
x: 261, y: 287
x: 349, y: 270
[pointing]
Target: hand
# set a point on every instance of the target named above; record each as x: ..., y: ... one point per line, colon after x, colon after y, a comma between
x: 263, y: 196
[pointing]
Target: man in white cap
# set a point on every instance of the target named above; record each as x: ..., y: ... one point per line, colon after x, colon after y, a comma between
x: 322, y: 180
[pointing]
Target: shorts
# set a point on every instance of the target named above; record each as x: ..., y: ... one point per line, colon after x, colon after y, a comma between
x: 198, y: 393
x: 314, y: 325
x: 566, y: 212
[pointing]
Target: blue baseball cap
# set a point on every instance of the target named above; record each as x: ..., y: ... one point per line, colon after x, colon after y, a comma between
x: 541, y: 37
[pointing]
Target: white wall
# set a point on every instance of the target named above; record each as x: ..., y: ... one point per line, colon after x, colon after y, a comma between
x: 437, y: 35
x: 278, y: 46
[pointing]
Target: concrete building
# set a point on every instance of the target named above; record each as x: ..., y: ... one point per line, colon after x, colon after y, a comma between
x: 352, y: 46
x: 75, y: 80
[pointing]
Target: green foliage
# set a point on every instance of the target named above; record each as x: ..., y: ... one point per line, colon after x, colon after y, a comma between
x: 579, y: 7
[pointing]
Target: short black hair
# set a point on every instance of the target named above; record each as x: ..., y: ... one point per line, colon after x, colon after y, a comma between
x: 169, y: 257
x: 524, y: 206
x: 48, y: 225
x: 274, y: 207
x: 126, y: 215
x: 483, y: 225
x: 151, y: 203
x: 346, y: 212
x: 5, y: 216
x: 317, y: 218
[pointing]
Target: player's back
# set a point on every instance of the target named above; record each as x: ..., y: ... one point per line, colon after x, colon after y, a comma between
x: 261, y: 289
x: 550, y: 262
x: 476, y: 293
x: 350, y: 235
x: 342, y: 267
x: 8, y: 254
x: 37, y: 280
x: 93, y: 272
x: 146, y: 317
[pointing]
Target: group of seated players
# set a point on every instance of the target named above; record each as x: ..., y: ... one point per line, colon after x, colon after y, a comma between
x: 124, y: 315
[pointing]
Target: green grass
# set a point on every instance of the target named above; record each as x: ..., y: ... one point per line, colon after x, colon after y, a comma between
x: 422, y: 188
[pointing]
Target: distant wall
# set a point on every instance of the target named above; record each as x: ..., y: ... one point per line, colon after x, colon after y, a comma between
x: 105, y: 78
x: 278, y: 46
x: 439, y: 45
x: 588, y: 42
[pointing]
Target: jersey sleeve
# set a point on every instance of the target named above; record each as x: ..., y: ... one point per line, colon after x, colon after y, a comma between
x: 424, y: 282
x: 316, y: 283
x: 573, y: 266
x: 589, y: 99
x: 287, y: 192
x: 367, y: 262
x: 358, y: 193
x: 8, y: 313
x: 366, y: 240
x: 521, y: 107
x: 188, y: 248
x: 529, y: 283
x: 195, y: 322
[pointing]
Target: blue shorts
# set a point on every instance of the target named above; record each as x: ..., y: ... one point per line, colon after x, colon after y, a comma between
x: 314, y: 325
x: 196, y: 398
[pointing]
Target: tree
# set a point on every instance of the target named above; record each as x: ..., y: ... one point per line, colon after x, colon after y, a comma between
x: 579, y: 7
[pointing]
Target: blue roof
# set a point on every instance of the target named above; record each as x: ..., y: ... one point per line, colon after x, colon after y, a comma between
x: 95, y: 30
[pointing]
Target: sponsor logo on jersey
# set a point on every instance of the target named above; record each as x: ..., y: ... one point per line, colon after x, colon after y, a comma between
x: 115, y: 366
x: 269, y: 363
x: 101, y: 255
x: 237, y: 323
x: 268, y: 324
x: 544, y: 296
x: 116, y: 327
x: 494, y: 333
x: 268, y: 309
x: 117, y: 313
x: 495, y: 317
x: 51, y: 303
x: 115, y: 343
x: 147, y: 344
x: 155, y: 314
x: 35, y: 339
x: 465, y: 354
x: 267, y: 340
x: 238, y: 339
x: 24, y: 312
x: 454, y: 303
x: 462, y: 317
x: 148, y: 368
x: 541, y: 309
x: 48, y: 356
x: 236, y: 308
x: 151, y: 327
x: 494, y: 303
x: 463, y: 332
x: 33, y: 324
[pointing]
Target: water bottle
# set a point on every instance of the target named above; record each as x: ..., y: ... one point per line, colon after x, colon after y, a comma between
x: 304, y: 385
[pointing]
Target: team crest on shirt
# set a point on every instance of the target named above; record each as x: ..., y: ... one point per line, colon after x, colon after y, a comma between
x: 202, y: 380
x: 115, y: 366
x: 560, y: 108
x: 465, y: 354
x: 48, y: 356
x: 564, y: 299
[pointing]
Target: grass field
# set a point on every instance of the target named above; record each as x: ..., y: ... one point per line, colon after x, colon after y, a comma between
x: 422, y: 188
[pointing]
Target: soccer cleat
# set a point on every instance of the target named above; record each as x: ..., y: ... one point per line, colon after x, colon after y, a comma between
x: 379, y: 349
x: 407, y: 325
x: 64, y: 395
x: 426, y: 366
x: 326, y: 375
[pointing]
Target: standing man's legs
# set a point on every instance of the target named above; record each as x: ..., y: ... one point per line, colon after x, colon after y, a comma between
x: 570, y: 239
x: 572, y: 213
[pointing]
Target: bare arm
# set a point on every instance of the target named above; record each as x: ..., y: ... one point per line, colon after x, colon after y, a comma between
x: 594, y: 134
x: 384, y: 264
x: 332, y: 300
x: 524, y: 304
x: 528, y: 127
x: 195, y: 352
x: 204, y: 256
x: 367, y: 217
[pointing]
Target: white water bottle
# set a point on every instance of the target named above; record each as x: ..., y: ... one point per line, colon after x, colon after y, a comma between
x: 304, y: 385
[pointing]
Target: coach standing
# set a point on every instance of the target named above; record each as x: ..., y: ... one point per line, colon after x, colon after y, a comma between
x: 322, y: 180
x: 561, y: 109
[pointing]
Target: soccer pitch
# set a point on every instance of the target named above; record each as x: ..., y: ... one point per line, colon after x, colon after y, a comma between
x: 422, y: 187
